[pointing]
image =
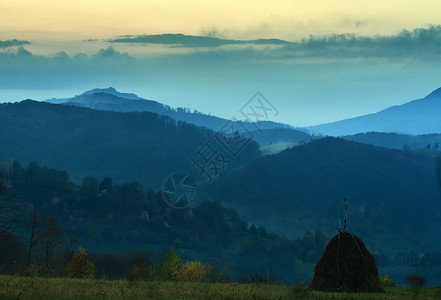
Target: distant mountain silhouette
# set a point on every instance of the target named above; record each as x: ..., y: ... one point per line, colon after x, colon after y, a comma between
x: 114, y: 92
x: 109, y: 99
x: 140, y: 146
x: 422, y: 116
x: 393, y: 194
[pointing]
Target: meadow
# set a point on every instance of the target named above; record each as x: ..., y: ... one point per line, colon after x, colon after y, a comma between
x: 16, y: 287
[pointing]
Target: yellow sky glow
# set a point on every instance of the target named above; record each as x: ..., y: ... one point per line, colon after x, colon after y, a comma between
x: 290, y: 20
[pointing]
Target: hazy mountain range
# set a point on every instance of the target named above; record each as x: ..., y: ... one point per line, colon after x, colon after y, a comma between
x: 419, y: 117
x: 394, y: 195
x: 109, y: 99
x: 422, y: 116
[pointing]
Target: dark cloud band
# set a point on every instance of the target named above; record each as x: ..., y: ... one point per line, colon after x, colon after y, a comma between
x: 192, y: 41
x: 11, y: 43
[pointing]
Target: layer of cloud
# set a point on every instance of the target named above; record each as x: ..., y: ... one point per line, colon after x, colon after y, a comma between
x: 420, y: 43
x: 11, y: 43
x: 23, y: 69
x: 102, y: 56
x: 191, y: 41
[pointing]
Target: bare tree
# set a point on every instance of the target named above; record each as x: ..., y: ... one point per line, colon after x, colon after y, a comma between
x: 37, y: 234
x: 52, y: 235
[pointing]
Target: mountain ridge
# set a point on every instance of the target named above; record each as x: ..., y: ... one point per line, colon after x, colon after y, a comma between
x: 109, y: 99
x: 416, y: 117
x: 113, y: 91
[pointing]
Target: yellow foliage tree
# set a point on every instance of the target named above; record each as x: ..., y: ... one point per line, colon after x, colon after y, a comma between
x: 194, y: 271
x: 79, y: 266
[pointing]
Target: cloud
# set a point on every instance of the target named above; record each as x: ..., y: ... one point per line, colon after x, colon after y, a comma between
x: 11, y: 43
x: 417, y: 44
x: 191, y: 41
x: 110, y: 54
x: 23, y: 69
x: 22, y: 52
x: 360, y: 23
x: 420, y: 43
x: 212, y: 33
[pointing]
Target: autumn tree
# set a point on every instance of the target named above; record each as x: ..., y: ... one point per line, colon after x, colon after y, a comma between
x: 171, y: 266
x: 79, y: 265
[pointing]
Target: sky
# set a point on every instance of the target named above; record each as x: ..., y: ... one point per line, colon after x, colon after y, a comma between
x: 325, y: 61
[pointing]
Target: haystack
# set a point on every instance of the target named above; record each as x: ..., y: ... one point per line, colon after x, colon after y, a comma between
x: 346, y: 266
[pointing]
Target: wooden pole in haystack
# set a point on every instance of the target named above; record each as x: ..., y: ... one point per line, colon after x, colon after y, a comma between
x: 346, y: 265
x: 346, y: 216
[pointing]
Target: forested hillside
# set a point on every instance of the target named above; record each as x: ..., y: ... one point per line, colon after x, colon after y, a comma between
x: 139, y: 146
x: 393, y: 195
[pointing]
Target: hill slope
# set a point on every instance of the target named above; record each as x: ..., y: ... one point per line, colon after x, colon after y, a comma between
x: 422, y: 116
x: 393, y: 195
x: 125, y: 146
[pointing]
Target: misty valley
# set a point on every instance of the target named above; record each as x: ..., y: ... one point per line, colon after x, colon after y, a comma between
x: 112, y: 186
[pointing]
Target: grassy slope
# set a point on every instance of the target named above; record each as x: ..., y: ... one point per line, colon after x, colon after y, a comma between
x: 13, y: 287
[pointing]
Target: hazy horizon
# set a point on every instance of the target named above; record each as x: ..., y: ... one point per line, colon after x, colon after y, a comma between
x: 326, y: 62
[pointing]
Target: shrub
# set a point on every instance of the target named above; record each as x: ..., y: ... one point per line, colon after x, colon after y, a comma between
x: 415, y: 280
x: 142, y: 271
x: 143, y: 268
x: 416, y: 283
x: 257, y: 274
x: 79, y: 266
x: 220, y: 270
x: 89, y: 270
x: 386, y: 281
x: 32, y: 270
x: 194, y: 271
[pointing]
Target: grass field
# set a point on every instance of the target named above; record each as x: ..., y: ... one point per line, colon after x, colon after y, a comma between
x: 14, y: 287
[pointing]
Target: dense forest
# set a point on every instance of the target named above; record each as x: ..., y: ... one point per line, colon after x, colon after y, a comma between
x: 53, y: 216
x: 393, y: 195
x: 44, y: 219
